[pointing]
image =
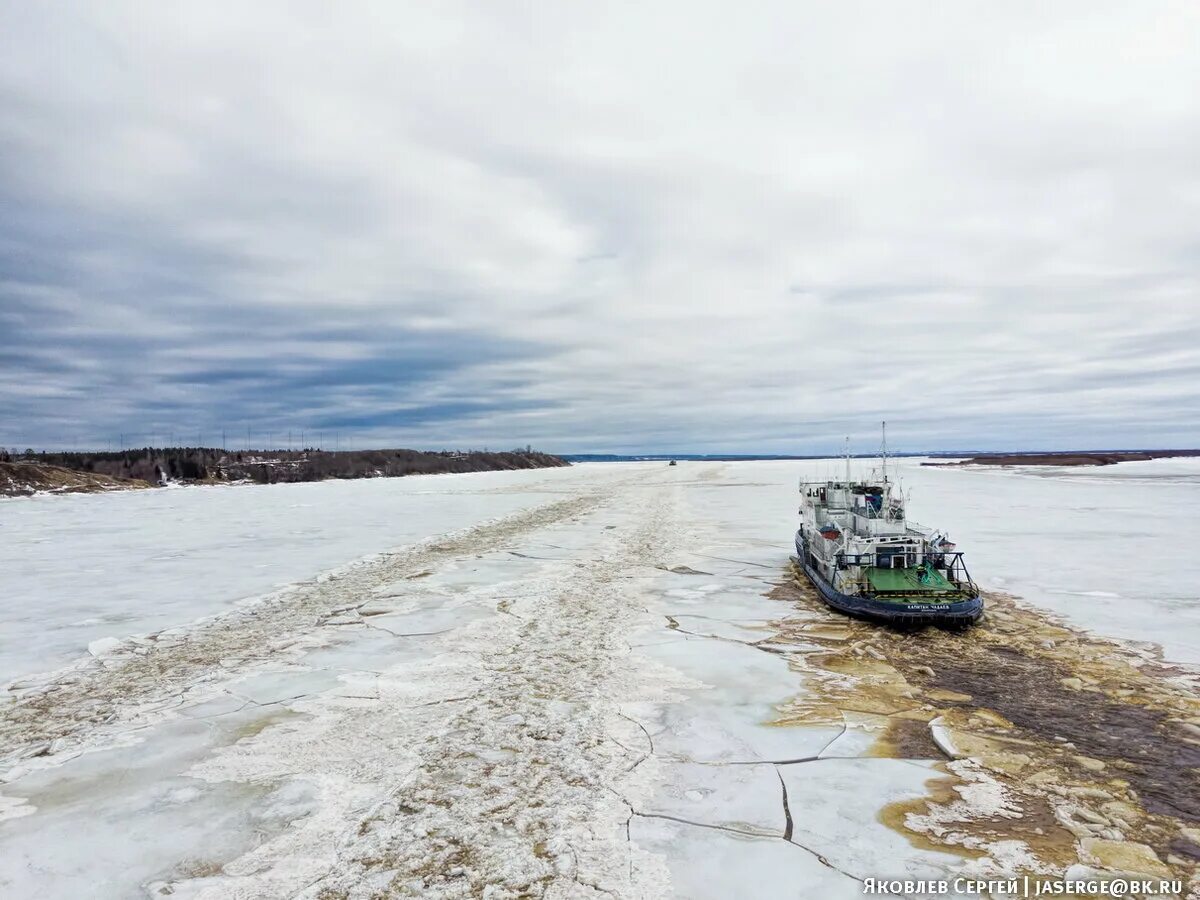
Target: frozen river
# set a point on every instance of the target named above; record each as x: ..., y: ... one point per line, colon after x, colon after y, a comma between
x: 79, y: 567
x: 544, y: 682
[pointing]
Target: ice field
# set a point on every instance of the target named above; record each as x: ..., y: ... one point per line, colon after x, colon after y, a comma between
x: 546, y: 682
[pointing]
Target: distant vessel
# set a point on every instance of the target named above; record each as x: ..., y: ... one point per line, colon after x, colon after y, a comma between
x: 867, y: 560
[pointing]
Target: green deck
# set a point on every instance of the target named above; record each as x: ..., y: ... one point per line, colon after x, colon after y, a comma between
x: 909, y: 581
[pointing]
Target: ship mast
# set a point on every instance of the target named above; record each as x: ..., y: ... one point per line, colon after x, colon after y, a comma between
x: 886, y: 501
x: 883, y: 451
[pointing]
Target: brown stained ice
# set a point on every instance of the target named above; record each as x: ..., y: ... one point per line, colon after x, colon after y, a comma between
x: 1096, y: 745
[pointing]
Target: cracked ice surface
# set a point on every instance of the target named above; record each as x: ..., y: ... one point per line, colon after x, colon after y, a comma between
x: 543, y: 683
x: 79, y: 568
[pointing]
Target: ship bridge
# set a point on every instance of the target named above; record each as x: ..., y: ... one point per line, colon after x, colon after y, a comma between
x: 867, y: 510
x: 869, y: 520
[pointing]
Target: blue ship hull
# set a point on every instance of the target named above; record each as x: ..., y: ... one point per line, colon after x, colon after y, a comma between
x: 960, y: 613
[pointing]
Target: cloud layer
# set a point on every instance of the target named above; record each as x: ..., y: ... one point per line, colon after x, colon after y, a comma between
x: 632, y: 227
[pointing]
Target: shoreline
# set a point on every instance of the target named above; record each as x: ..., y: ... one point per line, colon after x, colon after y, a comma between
x: 75, y: 473
x: 1065, y: 458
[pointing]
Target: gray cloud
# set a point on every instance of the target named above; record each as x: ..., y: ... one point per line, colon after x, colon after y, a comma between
x: 680, y: 227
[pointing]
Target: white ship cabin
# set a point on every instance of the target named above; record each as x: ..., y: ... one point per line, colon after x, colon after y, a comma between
x: 857, y: 524
x: 866, y: 510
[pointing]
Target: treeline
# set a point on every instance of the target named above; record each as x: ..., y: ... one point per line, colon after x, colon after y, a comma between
x: 158, y: 465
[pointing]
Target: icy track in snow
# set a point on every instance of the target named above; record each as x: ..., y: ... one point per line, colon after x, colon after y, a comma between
x: 546, y: 683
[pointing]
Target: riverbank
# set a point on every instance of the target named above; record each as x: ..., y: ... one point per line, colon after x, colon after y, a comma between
x: 24, y: 479
x: 91, y: 472
x: 1066, y: 458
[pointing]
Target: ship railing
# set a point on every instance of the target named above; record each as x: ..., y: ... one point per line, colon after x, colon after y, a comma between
x: 940, y: 559
x: 950, y: 563
x: 968, y: 588
x: 864, y: 587
x: 893, y: 514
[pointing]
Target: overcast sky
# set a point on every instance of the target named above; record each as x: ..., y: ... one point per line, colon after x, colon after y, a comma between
x: 600, y: 226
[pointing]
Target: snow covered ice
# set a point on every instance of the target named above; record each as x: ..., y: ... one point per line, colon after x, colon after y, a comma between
x: 546, y: 682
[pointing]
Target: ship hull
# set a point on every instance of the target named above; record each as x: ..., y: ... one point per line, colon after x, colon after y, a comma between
x: 958, y: 614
